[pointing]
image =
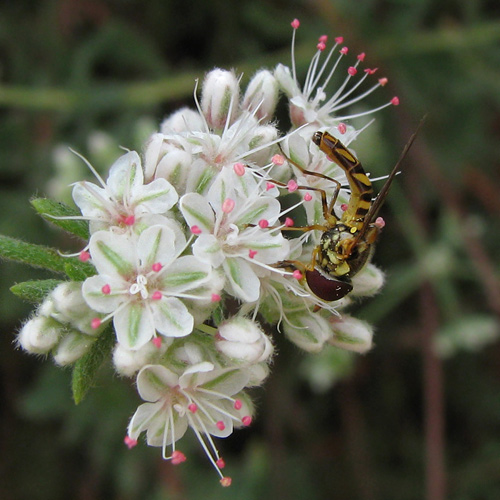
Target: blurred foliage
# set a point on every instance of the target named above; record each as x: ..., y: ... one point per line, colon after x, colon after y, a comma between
x: 71, y: 69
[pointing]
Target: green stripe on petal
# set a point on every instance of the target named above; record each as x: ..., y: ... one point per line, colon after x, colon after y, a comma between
x: 134, y: 323
x: 123, y: 267
x: 252, y: 215
x: 234, y: 271
x: 181, y: 279
x: 204, y: 180
x: 205, y: 221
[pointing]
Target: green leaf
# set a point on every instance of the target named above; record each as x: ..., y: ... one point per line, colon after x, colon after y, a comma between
x: 34, y: 255
x: 85, y: 369
x: 49, y: 209
x: 79, y: 271
x: 34, y: 291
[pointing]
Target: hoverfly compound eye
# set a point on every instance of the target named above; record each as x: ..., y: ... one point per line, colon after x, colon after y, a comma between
x: 326, y: 287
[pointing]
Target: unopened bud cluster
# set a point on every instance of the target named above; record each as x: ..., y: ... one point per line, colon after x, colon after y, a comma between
x: 193, y: 227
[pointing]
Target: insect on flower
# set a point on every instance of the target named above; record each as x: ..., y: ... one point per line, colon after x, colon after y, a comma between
x: 347, y: 241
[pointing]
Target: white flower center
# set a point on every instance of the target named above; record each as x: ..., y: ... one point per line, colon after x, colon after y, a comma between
x: 140, y: 286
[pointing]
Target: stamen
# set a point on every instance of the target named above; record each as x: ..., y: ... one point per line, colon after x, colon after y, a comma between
x: 84, y: 256
x: 395, y: 101
x: 344, y: 50
x: 95, y: 323
x: 178, y: 457
x: 352, y: 70
x: 129, y: 221
x: 238, y: 404
x: 228, y: 205
x: 157, y: 342
x: 289, y: 222
x: 297, y: 274
x: 278, y: 159
x: 307, y: 197
x: 220, y: 425
x: 263, y: 223
x: 130, y: 442
x: 252, y: 253
x: 193, y: 408
x: 246, y: 420
x: 239, y: 169
x: 215, y: 297
x: 157, y: 295
x: 220, y: 463
x: 195, y: 230
x: 226, y: 481
x: 156, y: 267
x: 292, y: 186
x: 342, y: 128
x: 106, y: 289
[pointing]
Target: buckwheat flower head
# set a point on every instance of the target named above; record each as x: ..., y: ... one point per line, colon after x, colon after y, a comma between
x: 141, y: 282
x: 124, y: 199
x: 203, y: 397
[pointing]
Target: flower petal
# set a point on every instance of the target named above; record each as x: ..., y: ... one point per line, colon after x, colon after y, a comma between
x: 125, y: 176
x: 243, y: 281
x: 113, y: 254
x: 185, y: 273
x: 99, y: 301
x: 156, y: 197
x: 156, y: 244
x: 171, y: 317
x: 197, y: 212
x: 134, y: 325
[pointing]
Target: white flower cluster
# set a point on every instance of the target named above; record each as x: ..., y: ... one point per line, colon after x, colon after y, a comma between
x: 186, y: 244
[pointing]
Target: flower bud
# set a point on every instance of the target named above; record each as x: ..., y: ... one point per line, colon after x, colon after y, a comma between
x: 242, y: 340
x: 261, y: 95
x: 368, y: 282
x: 264, y: 134
x: 184, y: 120
x: 39, y: 335
x: 127, y: 362
x: 220, y: 95
x: 72, y: 347
x: 69, y: 303
x: 308, y: 331
x: 351, y: 334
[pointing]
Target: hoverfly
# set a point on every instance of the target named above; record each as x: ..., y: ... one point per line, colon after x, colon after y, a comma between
x: 347, y: 241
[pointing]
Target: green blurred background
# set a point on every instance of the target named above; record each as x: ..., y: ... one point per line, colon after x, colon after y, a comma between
x: 398, y: 423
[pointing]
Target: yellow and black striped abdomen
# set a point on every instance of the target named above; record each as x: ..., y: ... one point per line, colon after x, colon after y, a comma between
x: 361, y: 186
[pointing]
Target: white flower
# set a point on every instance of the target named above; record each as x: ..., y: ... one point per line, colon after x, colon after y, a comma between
x: 310, y: 104
x: 124, y: 199
x: 140, y: 282
x: 226, y: 239
x: 200, y: 398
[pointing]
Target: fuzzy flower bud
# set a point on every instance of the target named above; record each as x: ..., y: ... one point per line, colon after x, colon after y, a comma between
x: 72, y: 347
x: 262, y: 95
x: 183, y: 120
x: 351, y: 334
x: 368, y: 282
x: 242, y: 340
x: 220, y: 97
x: 39, y: 335
x: 127, y: 362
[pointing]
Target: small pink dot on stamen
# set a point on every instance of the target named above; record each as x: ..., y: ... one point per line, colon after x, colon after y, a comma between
x: 297, y: 274
x: 220, y: 425
x: 395, y: 101
x: 129, y: 221
x: 292, y: 186
x: 383, y: 81
x: 157, y: 342
x: 215, y: 297
x: 263, y: 223
x: 228, y: 205
x: 226, y: 481
x: 178, y: 457
x: 157, y: 295
x: 295, y: 24
x: 193, y: 408
x: 95, y: 323
x: 342, y: 128
x: 84, y: 256
x: 278, y: 159
x: 239, y: 169
x: 247, y: 420
x: 321, y: 46
x: 238, y: 404
x: 220, y: 463
x: 195, y: 230
x: 252, y: 253
x: 371, y: 71
x: 130, y: 442
x: 361, y: 57
x: 344, y: 207
x: 379, y: 222
x: 339, y: 39
x: 269, y: 186
x: 323, y: 39
x: 308, y: 197
x: 352, y: 70
x: 289, y: 222
x: 106, y: 289
x: 344, y: 50
x: 156, y: 267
